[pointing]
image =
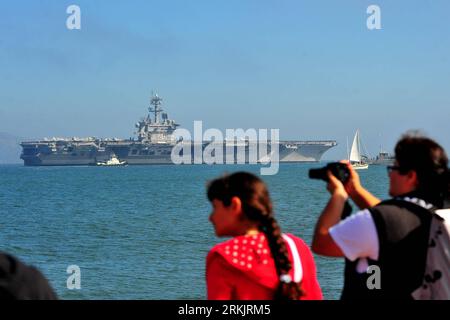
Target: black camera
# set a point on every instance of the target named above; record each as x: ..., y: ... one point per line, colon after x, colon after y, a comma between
x: 338, y: 169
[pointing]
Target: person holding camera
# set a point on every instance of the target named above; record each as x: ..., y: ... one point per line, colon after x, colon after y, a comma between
x: 390, y: 236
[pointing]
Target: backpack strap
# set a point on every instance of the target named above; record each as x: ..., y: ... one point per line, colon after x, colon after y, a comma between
x: 297, y: 264
x: 415, y: 203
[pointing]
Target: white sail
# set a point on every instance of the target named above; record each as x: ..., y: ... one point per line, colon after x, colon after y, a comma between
x: 355, y: 157
x: 355, y: 154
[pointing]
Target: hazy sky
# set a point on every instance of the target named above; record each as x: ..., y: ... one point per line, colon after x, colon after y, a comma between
x: 310, y: 68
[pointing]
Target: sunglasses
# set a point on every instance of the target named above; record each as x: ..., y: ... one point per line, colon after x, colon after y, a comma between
x: 396, y: 168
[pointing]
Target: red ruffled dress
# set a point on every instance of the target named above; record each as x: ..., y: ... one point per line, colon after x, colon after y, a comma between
x: 243, y: 269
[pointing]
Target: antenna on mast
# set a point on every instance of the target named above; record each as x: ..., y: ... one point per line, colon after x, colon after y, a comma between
x: 155, y: 101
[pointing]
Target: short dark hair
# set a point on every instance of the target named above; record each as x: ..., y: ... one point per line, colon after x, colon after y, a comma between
x: 428, y: 159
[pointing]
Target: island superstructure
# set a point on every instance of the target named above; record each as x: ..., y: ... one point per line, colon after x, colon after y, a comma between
x: 153, y: 145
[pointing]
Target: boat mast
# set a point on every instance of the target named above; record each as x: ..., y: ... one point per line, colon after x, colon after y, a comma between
x: 348, y: 152
x: 358, y: 143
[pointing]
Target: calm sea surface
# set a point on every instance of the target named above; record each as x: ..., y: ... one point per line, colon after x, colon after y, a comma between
x: 142, y: 232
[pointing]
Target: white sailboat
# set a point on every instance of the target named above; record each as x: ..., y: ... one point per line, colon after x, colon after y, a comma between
x: 355, y: 158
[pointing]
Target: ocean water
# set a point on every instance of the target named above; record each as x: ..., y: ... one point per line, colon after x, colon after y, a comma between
x: 142, y: 232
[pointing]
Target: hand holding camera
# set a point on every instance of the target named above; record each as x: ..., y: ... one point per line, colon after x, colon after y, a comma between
x: 344, y: 174
x: 335, y: 186
x: 353, y: 185
x: 338, y: 174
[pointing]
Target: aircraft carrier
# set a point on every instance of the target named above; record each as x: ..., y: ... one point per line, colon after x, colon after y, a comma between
x: 153, y: 145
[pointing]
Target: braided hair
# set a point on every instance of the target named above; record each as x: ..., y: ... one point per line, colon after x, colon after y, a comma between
x: 257, y: 207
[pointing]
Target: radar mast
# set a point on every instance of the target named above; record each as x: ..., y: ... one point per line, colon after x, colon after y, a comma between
x: 155, y: 101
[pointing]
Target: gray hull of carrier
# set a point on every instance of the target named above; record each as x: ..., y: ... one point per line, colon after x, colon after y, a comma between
x: 154, y: 145
x: 81, y: 153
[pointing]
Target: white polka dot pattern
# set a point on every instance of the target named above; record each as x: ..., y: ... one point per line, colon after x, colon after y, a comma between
x: 248, y: 251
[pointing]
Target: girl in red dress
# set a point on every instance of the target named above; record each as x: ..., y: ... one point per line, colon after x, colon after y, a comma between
x: 260, y: 262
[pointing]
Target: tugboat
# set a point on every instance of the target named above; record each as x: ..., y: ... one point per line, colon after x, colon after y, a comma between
x: 113, y: 161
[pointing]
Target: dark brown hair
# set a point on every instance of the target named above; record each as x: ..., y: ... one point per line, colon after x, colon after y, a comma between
x: 429, y: 160
x: 256, y: 206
